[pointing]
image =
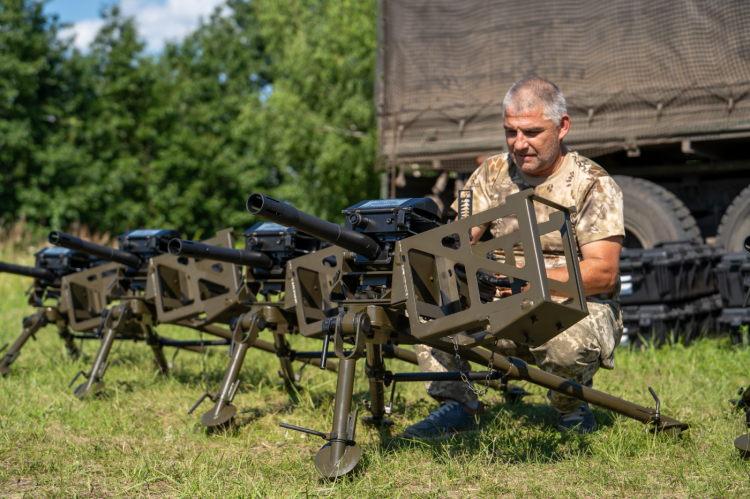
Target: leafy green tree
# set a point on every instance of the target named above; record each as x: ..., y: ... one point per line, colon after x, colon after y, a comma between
x: 203, y: 176
x: 316, y: 130
x: 31, y: 95
x: 265, y: 95
x: 95, y: 163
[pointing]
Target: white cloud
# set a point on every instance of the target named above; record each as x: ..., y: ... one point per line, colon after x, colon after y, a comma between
x: 157, y: 22
x: 85, y: 31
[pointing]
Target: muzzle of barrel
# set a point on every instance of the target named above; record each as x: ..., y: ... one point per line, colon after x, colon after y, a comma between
x: 34, y: 272
x: 254, y: 259
x: 746, y: 245
x: 289, y: 216
x: 104, y: 252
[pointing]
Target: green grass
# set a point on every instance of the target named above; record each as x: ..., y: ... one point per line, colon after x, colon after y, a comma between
x: 138, y: 441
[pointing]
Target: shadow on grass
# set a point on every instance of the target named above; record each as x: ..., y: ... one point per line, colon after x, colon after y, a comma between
x: 511, y: 434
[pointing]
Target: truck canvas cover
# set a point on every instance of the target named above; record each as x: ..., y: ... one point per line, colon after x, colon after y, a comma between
x: 633, y: 73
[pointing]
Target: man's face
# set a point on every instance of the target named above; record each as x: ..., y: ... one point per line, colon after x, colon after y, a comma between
x: 533, y: 140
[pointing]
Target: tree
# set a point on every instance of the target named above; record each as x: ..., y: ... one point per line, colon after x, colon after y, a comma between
x: 316, y: 129
x: 203, y: 177
x: 264, y: 95
x: 31, y: 96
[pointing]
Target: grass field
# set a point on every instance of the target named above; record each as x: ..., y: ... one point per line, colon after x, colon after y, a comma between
x: 138, y: 441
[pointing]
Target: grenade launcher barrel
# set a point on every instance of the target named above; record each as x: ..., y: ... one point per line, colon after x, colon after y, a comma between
x: 35, y: 272
x: 105, y: 253
x: 289, y: 216
x: 254, y: 259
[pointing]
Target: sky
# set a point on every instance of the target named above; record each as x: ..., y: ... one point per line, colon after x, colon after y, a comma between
x: 158, y: 20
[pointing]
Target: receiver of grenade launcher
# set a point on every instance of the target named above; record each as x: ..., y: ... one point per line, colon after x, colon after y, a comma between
x: 280, y: 243
x: 372, y: 229
x: 268, y: 246
x: 51, y: 265
x: 136, y: 246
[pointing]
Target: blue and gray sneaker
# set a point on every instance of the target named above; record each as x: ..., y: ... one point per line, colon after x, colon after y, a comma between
x: 451, y: 417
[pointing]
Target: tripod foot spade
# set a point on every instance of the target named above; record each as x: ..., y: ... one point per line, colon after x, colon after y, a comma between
x: 663, y: 424
x: 515, y: 394
x: 290, y: 387
x: 349, y: 461
x: 373, y: 421
x: 742, y: 444
x: 4, y: 370
x: 213, y: 420
x: 82, y: 392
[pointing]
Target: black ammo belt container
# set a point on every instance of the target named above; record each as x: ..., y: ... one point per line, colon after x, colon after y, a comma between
x: 665, y: 323
x: 671, y: 273
x: 731, y: 320
x: 733, y: 276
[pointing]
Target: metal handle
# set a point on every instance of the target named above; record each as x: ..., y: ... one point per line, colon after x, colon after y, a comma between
x: 389, y: 407
x: 304, y: 430
x: 324, y: 354
x: 657, y: 416
x: 85, y: 375
x: 200, y: 401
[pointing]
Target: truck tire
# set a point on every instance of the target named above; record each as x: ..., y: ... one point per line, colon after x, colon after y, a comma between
x: 654, y: 215
x: 735, y: 224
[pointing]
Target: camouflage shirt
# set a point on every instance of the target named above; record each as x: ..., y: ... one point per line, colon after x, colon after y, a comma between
x: 578, y: 182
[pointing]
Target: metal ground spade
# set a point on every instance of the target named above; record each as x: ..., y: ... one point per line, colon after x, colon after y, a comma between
x: 742, y: 444
x: 246, y: 331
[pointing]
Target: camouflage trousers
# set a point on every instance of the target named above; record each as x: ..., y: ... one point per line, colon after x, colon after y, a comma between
x: 576, y: 355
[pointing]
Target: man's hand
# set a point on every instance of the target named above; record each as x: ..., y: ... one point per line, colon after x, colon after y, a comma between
x: 600, y: 263
x: 476, y: 232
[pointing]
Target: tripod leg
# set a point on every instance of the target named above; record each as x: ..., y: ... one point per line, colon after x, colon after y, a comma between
x: 223, y: 411
x: 31, y: 325
x: 341, y: 454
x: 287, y: 371
x: 70, y: 345
x: 93, y: 384
x: 375, y: 369
x: 153, y: 340
x: 112, y: 323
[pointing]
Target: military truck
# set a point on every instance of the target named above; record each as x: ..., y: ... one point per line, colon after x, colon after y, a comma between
x: 658, y: 94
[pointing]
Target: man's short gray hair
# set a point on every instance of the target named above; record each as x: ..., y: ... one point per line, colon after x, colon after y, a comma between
x: 534, y: 93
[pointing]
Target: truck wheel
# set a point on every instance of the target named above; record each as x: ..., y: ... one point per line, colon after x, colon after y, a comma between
x: 735, y: 224
x: 654, y: 215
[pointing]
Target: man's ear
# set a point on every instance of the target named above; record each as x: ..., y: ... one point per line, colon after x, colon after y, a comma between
x: 564, y: 127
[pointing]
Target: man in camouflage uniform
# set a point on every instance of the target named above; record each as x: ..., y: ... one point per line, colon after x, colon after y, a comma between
x: 536, y: 122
